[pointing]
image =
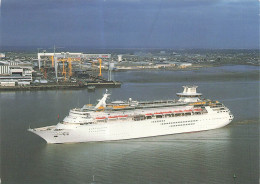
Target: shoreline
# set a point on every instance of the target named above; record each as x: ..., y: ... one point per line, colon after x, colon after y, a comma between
x: 212, y: 76
x: 190, y: 68
x: 113, y: 84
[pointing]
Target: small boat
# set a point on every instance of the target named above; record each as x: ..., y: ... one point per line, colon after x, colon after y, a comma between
x: 91, y: 88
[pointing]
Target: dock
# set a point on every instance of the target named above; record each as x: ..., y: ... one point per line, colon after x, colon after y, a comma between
x: 104, y: 84
x: 61, y: 86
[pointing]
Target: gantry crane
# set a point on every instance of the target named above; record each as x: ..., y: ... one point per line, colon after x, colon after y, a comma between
x: 100, y: 62
x: 70, y: 67
x: 52, y: 61
x: 64, y: 72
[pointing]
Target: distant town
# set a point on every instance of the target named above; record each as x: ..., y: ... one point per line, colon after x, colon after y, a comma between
x: 62, y: 70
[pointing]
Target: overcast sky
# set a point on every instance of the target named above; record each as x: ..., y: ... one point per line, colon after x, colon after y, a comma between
x: 131, y: 23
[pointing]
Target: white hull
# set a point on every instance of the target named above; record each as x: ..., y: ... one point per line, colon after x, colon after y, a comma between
x: 130, y: 120
x: 121, y: 130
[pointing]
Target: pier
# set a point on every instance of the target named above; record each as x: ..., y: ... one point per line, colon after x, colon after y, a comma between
x: 103, y: 84
x: 61, y: 86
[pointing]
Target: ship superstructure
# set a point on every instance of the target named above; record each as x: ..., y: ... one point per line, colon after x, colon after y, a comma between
x: 130, y: 119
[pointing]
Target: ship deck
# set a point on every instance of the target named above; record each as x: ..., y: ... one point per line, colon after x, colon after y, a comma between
x: 140, y: 105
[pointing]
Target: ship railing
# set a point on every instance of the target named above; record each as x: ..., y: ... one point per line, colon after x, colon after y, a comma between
x: 113, y: 118
x: 88, y: 123
x: 168, y: 114
x: 141, y: 117
x: 157, y: 102
x: 78, y: 123
x: 217, y: 106
x: 58, y: 129
x: 44, y: 128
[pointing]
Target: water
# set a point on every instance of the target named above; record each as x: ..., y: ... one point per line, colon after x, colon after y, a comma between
x: 203, y: 157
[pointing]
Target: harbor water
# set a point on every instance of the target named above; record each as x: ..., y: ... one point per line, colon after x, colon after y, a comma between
x: 202, y: 157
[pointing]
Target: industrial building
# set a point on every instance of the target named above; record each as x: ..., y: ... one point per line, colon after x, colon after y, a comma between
x: 96, y: 56
x: 11, y: 74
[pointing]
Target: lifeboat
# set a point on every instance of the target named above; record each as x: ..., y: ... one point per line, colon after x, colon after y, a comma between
x: 178, y: 111
x: 188, y: 110
x: 169, y: 112
x: 112, y: 117
x: 100, y: 117
x: 197, y: 109
x: 158, y: 113
x: 122, y: 116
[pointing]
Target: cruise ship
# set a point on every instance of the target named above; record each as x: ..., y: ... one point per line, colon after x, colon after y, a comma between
x: 119, y: 120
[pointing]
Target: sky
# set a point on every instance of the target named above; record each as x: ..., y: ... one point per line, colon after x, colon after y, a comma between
x: 177, y: 24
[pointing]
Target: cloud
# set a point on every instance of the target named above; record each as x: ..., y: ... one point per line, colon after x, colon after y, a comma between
x: 187, y: 23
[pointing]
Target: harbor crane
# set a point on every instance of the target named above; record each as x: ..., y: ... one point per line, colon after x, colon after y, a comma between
x: 64, y: 72
x: 52, y: 61
x: 100, y: 62
x: 70, y: 67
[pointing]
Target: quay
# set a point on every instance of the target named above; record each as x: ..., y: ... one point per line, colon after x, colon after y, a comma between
x: 111, y: 84
x: 104, y: 84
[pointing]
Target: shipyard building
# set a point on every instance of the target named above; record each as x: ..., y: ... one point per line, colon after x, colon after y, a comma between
x: 15, y: 73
